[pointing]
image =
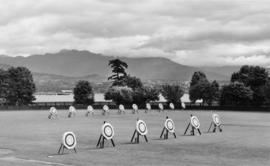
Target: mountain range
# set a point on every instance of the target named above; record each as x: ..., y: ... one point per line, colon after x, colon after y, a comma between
x: 69, y: 66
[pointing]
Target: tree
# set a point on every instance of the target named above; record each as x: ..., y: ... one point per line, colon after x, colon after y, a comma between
x: 197, y: 78
x: 120, y: 95
x: 267, y: 91
x: 236, y: 94
x: 118, y: 68
x: 21, y: 86
x: 83, y: 93
x: 132, y: 82
x: 172, y: 93
x: 254, y: 77
x: 198, y: 86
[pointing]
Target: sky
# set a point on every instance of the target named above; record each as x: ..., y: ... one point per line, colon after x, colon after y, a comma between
x: 190, y: 32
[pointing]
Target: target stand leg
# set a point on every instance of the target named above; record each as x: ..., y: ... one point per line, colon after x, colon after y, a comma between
x: 138, y: 138
x: 220, y: 130
x: 210, y: 127
x: 162, y: 132
x: 60, y: 148
x: 186, y: 129
x: 214, y: 129
x: 112, y: 142
x: 133, y: 136
x: 192, y: 132
x: 145, y: 138
x: 100, y: 137
x: 199, y: 131
x: 174, y: 134
x: 75, y: 150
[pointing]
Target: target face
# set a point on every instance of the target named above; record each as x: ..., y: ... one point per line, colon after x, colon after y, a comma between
x: 107, y: 131
x: 69, y: 140
x: 148, y: 106
x: 195, y: 122
x: 90, y: 108
x: 183, y: 105
x: 172, y: 106
x: 169, y: 125
x: 53, y: 110
x: 216, y: 119
x: 72, y: 109
x: 105, y: 108
x: 160, y: 106
x: 135, y: 107
x: 141, y: 127
x: 121, y: 107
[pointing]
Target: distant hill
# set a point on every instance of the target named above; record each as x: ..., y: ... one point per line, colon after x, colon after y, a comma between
x: 74, y: 63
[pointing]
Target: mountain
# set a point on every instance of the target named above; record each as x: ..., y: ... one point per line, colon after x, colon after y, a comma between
x: 74, y: 63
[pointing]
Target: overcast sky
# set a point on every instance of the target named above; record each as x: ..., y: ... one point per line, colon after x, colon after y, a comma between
x: 191, y: 32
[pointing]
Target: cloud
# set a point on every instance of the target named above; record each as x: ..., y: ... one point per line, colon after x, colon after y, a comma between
x: 190, y: 32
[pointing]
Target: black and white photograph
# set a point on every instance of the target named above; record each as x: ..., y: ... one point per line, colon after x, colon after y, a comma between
x: 134, y: 82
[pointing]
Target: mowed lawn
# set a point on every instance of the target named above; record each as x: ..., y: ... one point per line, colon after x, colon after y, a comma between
x: 29, y: 138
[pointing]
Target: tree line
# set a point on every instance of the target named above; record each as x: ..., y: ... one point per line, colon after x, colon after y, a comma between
x: 126, y: 89
x: 250, y: 86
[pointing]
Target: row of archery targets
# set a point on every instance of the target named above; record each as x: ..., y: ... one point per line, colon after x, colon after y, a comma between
x: 69, y: 141
x: 106, y: 110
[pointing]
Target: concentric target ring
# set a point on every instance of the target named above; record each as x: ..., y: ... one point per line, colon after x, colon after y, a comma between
x: 121, y: 107
x: 134, y: 107
x: 169, y: 125
x: 195, y: 122
x: 216, y: 119
x: 106, y: 108
x: 171, y: 106
x: 141, y: 127
x: 148, y: 106
x: 90, y: 108
x: 160, y: 106
x: 183, y: 105
x: 107, y: 130
x: 72, y: 109
x: 69, y: 140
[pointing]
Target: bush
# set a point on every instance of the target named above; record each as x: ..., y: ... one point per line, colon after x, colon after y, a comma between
x: 145, y: 94
x: 83, y: 93
x: 120, y: 95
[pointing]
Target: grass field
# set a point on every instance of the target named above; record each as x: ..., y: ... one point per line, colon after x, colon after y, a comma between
x: 29, y: 138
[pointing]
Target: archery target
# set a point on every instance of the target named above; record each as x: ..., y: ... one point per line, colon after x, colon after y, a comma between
x: 106, y: 108
x: 216, y: 119
x: 69, y: 140
x: 141, y: 127
x: 172, y: 106
x: 134, y: 107
x: 169, y: 125
x: 148, y: 106
x: 107, y: 130
x: 72, y: 109
x: 160, y: 106
x: 121, y: 107
x: 195, y: 122
x: 53, y: 110
x: 90, y: 108
x: 183, y: 105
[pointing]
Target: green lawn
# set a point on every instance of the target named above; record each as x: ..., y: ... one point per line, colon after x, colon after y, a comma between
x: 29, y: 138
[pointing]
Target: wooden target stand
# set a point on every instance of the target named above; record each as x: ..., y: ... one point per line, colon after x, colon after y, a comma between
x: 194, y: 124
x: 215, y: 124
x: 169, y: 127
x: 68, y: 142
x: 107, y: 133
x: 141, y: 130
